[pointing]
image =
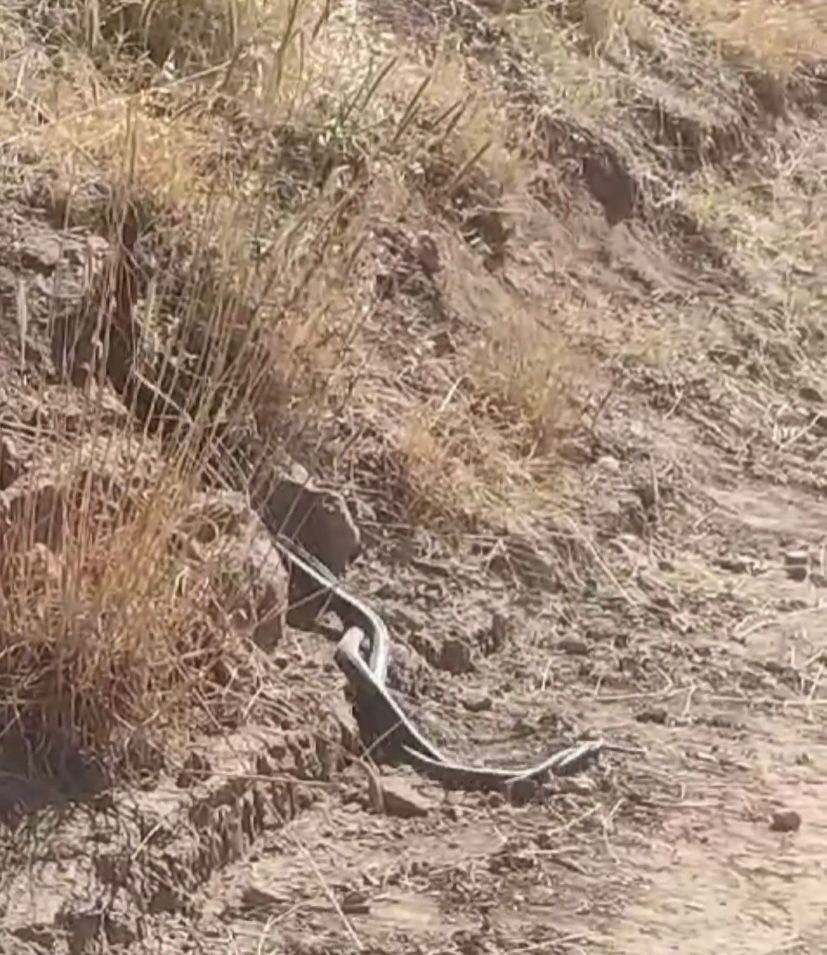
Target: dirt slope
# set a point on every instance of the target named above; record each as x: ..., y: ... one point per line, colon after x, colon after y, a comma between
x: 539, y: 288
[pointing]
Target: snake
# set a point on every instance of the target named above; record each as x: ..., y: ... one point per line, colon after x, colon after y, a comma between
x: 363, y: 655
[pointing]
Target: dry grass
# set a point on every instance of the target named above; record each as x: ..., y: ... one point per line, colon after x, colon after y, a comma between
x: 773, y: 220
x: 99, y: 638
x: 774, y: 35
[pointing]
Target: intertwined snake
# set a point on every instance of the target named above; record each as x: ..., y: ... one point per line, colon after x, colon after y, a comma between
x: 363, y: 655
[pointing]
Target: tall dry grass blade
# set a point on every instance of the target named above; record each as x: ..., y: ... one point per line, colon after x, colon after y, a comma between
x: 456, y: 180
x: 410, y: 110
x: 281, y: 52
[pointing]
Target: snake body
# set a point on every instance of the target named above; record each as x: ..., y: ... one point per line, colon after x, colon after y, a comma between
x: 363, y: 655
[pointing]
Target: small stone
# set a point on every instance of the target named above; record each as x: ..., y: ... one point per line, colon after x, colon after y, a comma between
x: 785, y: 820
x: 736, y: 564
x: 797, y: 564
x: 41, y: 253
x: 427, y: 254
x: 808, y: 393
x: 608, y: 463
x: 655, y: 714
x: 494, y: 800
x: 574, y: 646
x: 455, y: 656
x: 401, y: 798
x: 477, y: 702
x: 252, y: 897
x: 521, y: 791
x: 443, y: 344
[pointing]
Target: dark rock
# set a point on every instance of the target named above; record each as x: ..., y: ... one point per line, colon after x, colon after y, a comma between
x: 573, y: 646
x: 41, y: 253
x: 785, y: 820
x: 736, y: 564
x: 655, y: 714
x: 477, y: 702
x: 797, y: 564
x: 797, y: 572
x: 455, y: 656
x: 521, y: 791
x: 320, y: 521
x: 400, y: 797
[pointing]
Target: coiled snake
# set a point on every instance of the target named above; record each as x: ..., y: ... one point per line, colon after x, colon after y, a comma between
x: 363, y: 655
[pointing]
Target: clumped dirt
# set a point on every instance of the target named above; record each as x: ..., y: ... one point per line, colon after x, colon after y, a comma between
x: 664, y: 588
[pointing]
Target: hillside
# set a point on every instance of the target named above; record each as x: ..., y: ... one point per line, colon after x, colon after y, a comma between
x: 531, y: 295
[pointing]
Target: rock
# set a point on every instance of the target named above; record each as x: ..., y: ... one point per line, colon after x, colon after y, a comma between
x: 655, y: 714
x: 427, y: 254
x: 522, y: 791
x: 477, y: 702
x: 797, y: 564
x: 736, y: 564
x: 252, y: 897
x: 809, y: 393
x: 573, y: 646
x: 41, y: 253
x: 785, y: 820
x: 237, y: 551
x: 320, y: 521
x: 443, y: 344
x: 609, y: 463
x: 455, y: 656
x: 401, y: 798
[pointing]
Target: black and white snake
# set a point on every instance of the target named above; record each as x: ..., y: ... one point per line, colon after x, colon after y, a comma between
x: 363, y: 655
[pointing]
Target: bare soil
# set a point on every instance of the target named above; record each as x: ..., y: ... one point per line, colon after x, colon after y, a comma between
x: 665, y: 587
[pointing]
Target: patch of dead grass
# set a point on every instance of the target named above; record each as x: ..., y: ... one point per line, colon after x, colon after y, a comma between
x: 773, y: 219
x: 777, y: 36
x: 101, y: 637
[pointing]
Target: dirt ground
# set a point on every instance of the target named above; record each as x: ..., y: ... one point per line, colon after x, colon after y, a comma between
x: 577, y: 404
